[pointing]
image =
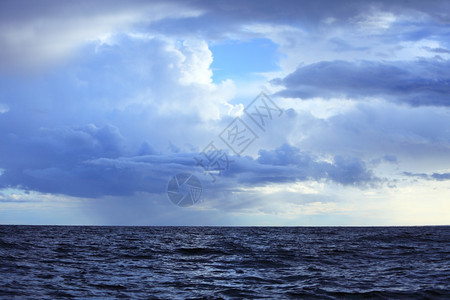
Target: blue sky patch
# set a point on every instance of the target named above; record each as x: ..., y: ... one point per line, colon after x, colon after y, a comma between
x: 238, y: 59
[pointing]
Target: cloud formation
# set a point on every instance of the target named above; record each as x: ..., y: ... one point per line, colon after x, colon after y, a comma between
x: 107, y: 101
x: 288, y: 164
x: 422, y: 82
x: 88, y: 162
x: 35, y: 34
x: 434, y: 176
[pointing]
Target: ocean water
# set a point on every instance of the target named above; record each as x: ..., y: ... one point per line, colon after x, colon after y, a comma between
x: 57, y: 262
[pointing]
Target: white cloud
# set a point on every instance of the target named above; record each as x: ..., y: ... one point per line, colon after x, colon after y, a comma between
x: 4, y: 108
x: 51, y: 33
x: 195, y: 67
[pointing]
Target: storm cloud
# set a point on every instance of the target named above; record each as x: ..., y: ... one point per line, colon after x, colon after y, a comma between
x: 422, y: 82
x: 102, y: 103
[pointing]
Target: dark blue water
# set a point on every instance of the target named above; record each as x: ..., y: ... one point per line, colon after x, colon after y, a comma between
x: 48, y: 262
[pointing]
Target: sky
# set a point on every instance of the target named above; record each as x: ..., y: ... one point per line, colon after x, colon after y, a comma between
x: 288, y: 113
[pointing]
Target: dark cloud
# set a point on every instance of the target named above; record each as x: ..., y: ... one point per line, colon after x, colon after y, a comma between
x: 63, y: 146
x: 101, y: 176
x: 123, y: 113
x: 68, y: 171
x: 232, y: 10
x: 437, y: 50
x: 421, y: 82
x: 77, y: 132
x: 441, y: 176
x: 38, y: 32
x: 228, y: 16
x: 288, y: 164
x: 433, y: 176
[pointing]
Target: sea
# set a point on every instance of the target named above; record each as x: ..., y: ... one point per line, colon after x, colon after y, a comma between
x: 81, y: 262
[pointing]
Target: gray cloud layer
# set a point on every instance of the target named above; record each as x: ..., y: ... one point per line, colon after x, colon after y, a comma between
x: 91, y: 129
x: 423, y: 82
x: 87, y: 162
x: 288, y: 164
x: 434, y: 176
x: 38, y: 32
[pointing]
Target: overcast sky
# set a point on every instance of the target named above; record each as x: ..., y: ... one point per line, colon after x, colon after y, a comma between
x: 103, y: 102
